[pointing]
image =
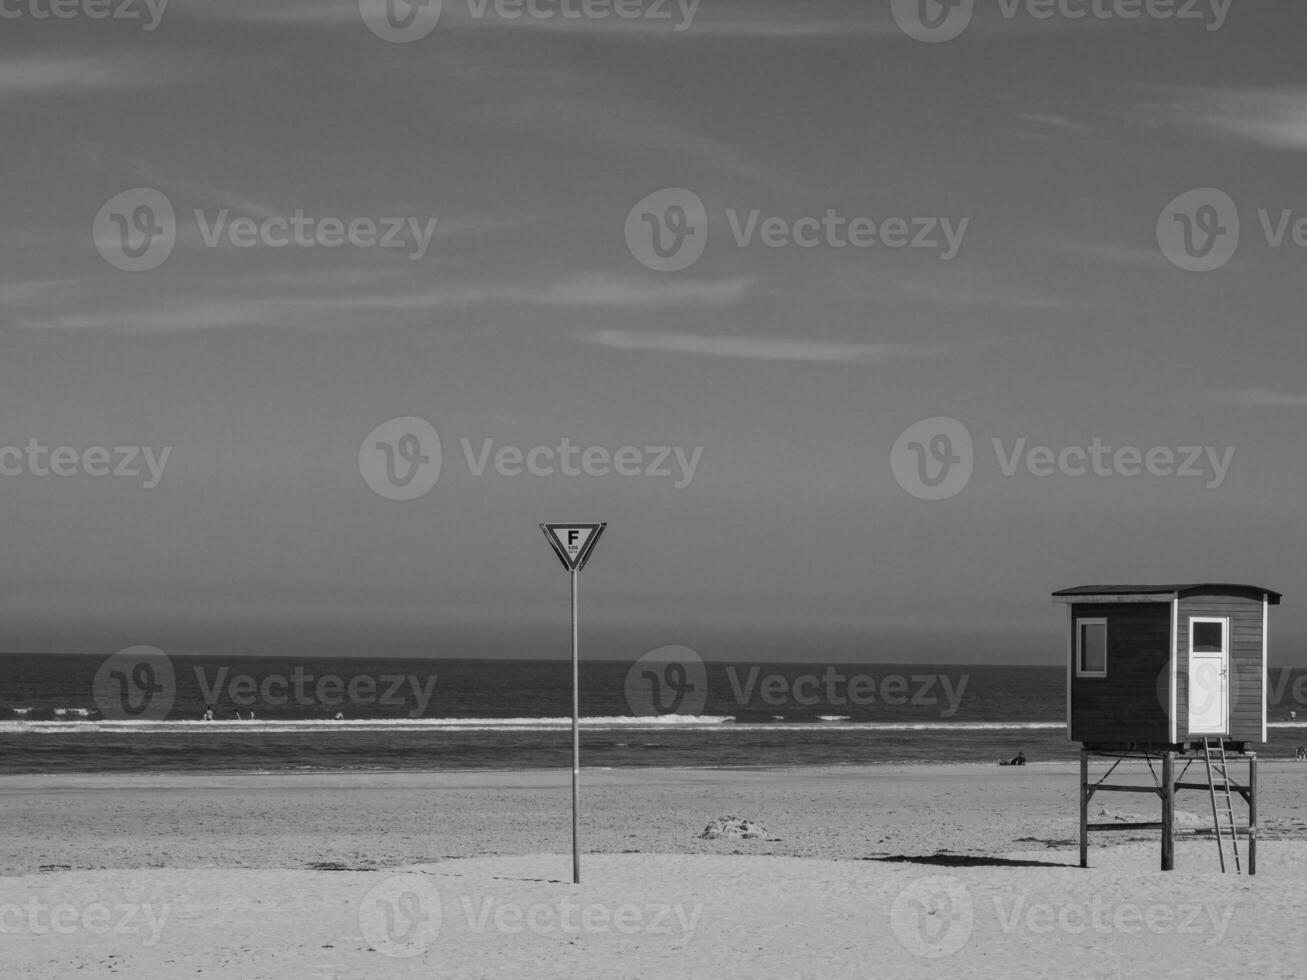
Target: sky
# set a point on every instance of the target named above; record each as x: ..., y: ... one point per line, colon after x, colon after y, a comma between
x: 863, y: 335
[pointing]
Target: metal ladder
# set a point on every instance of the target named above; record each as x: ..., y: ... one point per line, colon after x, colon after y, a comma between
x: 1216, y: 765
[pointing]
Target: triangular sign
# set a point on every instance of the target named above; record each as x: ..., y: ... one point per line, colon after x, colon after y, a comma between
x: 573, y: 543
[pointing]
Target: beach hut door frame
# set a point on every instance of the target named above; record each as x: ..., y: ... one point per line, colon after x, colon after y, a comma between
x: 1209, y: 676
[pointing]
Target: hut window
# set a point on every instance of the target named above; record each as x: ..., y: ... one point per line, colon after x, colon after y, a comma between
x: 1091, y: 647
x: 1209, y: 636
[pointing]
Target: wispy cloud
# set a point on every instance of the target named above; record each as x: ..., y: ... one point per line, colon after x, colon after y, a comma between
x: 1272, y: 117
x: 953, y: 286
x: 616, y: 291
x: 679, y: 20
x: 45, y: 74
x: 307, y: 12
x: 188, y: 194
x: 755, y: 348
x: 1260, y: 398
x: 684, y: 28
x: 30, y: 291
x: 188, y: 191
x: 1054, y: 121
x: 184, y: 192
x: 324, y: 299
x: 581, y: 291
x: 1128, y: 254
x: 168, y: 318
x: 978, y: 293
x: 609, y: 120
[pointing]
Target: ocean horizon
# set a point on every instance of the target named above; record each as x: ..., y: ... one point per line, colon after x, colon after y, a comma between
x: 63, y: 713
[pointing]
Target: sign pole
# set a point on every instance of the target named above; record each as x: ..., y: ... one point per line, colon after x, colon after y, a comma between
x: 573, y: 544
x: 576, y: 737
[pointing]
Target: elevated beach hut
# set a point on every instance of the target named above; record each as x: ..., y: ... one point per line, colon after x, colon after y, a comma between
x: 1156, y: 665
x: 1167, y: 673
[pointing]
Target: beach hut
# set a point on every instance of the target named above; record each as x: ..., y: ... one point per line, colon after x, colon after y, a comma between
x: 1157, y: 665
x: 1170, y: 673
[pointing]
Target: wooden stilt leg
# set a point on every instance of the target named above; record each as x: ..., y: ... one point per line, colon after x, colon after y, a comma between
x: 1084, y: 808
x: 1168, y: 811
x: 1252, y: 814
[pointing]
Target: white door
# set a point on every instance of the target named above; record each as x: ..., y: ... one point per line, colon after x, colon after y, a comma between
x: 1209, y: 676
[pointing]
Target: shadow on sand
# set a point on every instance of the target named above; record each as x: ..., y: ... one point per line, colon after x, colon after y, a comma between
x: 968, y: 861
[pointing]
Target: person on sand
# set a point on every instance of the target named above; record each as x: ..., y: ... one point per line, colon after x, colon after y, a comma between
x: 1020, y: 759
x: 208, y: 713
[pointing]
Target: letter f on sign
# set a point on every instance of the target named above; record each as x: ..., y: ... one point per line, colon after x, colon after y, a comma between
x: 573, y: 543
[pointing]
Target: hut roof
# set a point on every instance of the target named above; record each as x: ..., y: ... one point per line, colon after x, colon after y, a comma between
x: 1159, y: 593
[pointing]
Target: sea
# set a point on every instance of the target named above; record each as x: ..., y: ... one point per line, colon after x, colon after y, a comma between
x: 144, y: 712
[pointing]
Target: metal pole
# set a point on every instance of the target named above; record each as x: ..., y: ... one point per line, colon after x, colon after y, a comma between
x: 576, y: 741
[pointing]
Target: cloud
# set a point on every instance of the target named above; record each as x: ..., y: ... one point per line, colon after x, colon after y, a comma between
x: 326, y: 299
x: 36, y: 74
x: 683, y: 28
x: 1053, y: 120
x: 582, y: 291
x: 1260, y: 398
x: 185, y: 193
x: 176, y: 317
x: 678, y: 20
x: 1128, y: 254
x: 609, y: 121
x: 977, y: 294
x: 756, y: 348
x: 311, y: 12
x: 1272, y: 117
x: 630, y: 293
x: 188, y: 192
x: 29, y: 291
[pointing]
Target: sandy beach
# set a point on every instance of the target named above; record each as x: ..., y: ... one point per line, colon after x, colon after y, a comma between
x: 886, y: 871
x: 822, y: 426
